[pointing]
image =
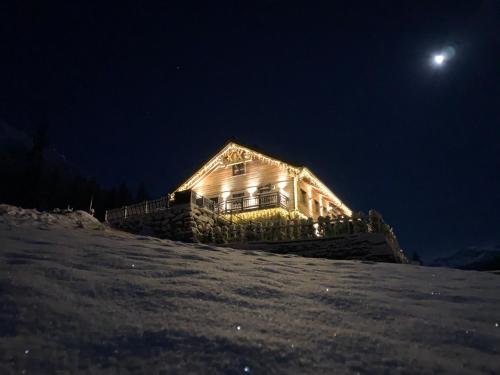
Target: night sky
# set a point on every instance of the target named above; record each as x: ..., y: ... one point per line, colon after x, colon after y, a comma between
x: 138, y: 91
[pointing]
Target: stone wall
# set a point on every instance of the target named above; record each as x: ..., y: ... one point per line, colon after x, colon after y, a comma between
x: 183, y: 222
x: 362, y: 246
x: 359, y: 237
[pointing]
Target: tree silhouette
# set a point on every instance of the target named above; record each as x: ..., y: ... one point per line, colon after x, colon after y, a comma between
x: 31, y: 181
x: 33, y: 177
x: 142, y: 194
x: 416, y: 258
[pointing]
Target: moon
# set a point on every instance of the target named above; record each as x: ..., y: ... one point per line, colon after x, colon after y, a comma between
x: 439, y: 59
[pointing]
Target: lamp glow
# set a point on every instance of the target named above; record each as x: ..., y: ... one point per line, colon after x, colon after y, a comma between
x: 281, y: 185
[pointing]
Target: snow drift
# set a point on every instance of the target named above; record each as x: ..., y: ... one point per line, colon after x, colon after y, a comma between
x: 76, y: 296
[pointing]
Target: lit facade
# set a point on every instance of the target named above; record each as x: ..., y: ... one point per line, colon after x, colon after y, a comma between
x: 244, y: 182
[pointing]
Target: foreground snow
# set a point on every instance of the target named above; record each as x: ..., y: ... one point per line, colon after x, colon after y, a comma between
x: 76, y: 297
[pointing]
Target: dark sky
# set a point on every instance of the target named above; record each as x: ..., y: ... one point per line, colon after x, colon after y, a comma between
x: 142, y: 91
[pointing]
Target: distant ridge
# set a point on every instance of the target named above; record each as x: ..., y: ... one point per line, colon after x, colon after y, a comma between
x: 474, y: 258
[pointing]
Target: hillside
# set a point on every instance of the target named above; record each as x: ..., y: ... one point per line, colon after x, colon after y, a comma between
x: 76, y: 297
x: 479, y: 259
x: 35, y: 174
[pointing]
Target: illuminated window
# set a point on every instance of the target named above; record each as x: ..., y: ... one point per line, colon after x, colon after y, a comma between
x: 238, y: 201
x: 265, y: 189
x: 303, y: 197
x: 238, y: 169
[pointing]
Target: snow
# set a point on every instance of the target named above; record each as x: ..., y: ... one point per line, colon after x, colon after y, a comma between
x: 76, y: 296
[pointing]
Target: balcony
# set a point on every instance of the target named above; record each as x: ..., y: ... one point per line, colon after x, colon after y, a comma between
x: 261, y: 201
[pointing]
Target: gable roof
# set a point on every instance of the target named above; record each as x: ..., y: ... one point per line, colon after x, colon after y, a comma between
x: 301, y: 172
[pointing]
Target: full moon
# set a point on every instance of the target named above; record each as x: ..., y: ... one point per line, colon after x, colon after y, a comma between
x: 439, y: 59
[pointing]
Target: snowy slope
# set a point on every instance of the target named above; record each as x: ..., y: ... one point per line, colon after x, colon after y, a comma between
x: 472, y: 258
x: 78, y: 298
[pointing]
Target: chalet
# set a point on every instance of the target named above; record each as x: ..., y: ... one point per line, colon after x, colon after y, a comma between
x: 248, y: 184
x: 251, y: 200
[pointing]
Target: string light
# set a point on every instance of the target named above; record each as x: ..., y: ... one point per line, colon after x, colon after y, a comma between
x: 293, y: 171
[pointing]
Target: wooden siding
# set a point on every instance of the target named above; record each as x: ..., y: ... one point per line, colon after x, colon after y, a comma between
x: 312, y: 195
x: 222, y: 184
x: 257, y: 174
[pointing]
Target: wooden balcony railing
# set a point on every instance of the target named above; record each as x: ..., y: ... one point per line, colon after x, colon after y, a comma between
x: 201, y: 201
x: 137, y: 210
x: 262, y: 201
x: 268, y: 200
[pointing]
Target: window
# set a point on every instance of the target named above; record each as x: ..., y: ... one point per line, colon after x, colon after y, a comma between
x: 265, y: 189
x: 238, y: 201
x: 215, y: 199
x: 238, y: 169
x: 303, y: 196
x: 316, y: 205
x: 333, y: 210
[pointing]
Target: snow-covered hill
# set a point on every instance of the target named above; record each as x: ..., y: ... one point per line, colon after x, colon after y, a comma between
x: 76, y: 297
x: 481, y: 259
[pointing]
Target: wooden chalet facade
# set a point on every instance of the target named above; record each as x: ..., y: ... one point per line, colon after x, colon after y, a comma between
x: 248, y: 184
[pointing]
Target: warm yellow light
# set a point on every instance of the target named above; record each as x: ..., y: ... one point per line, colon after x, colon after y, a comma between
x: 316, y: 229
x: 305, y: 172
x: 225, y: 194
x: 257, y: 215
x: 287, y: 170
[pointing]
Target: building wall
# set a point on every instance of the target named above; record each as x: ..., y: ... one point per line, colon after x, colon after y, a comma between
x: 222, y: 184
x: 312, y: 195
